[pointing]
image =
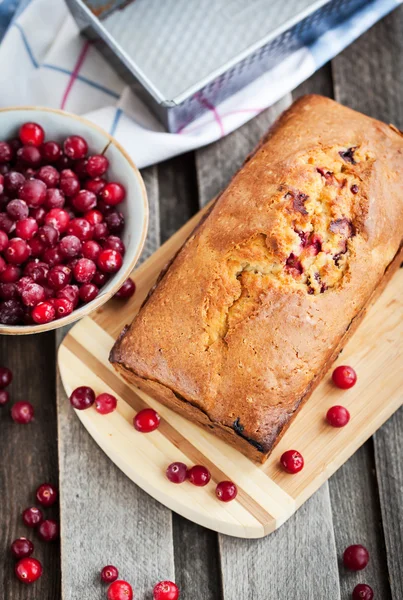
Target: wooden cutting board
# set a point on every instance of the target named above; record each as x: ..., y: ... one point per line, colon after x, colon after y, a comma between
x: 267, y: 496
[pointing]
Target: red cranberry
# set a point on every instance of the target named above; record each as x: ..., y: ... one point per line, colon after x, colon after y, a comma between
x: 11, y: 274
x: 199, y: 475
x: 63, y: 307
x: 109, y: 261
x: 84, y: 270
x: 91, y: 250
x: 75, y: 147
x: 120, y: 590
x: 46, y: 494
x: 101, y: 231
x: 69, y: 183
x: 22, y: 412
x: 84, y: 201
x: 11, y: 312
x: 54, y: 198
x: 33, y: 294
x: 28, y: 570
x: 26, y: 228
x: 17, y: 251
x: 8, y: 291
x: 109, y: 574
x: 226, y: 491
x: 292, y: 461
x: 82, y: 398
x: 177, y: 472
x: 30, y: 156
x: 70, y: 246
x: 17, y: 210
x: 80, y: 168
x: 146, y: 420
x: 38, y: 214
x: 49, y: 175
x: 51, y: 152
x: 6, y: 224
x: 115, y: 243
x: 100, y: 278
x: 38, y: 271
x: 43, y: 313
x: 2, y: 264
x: 59, y: 276
x: 70, y: 293
x: 105, y: 403
x: 37, y: 247
x: 97, y: 165
x: 88, y: 292
x: 362, y: 591
x: 6, y: 152
x: 33, y: 192
x: 113, y: 193
x: 23, y: 283
x: 4, y: 397
x: 95, y: 185
x: 166, y: 590
x: 13, y: 181
x: 58, y: 218
x: 52, y: 256
x: 115, y: 222
x: 81, y: 229
x: 338, y: 416
x: 48, y: 234
x: 31, y: 133
x: 355, y: 557
x: 3, y: 240
x: 127, y: 290
x: 94, y: 217
x: 21, y: 548
x: 344, y: 377
x: 6, y: 377
x: 32, y: 516
x: 48, y: 530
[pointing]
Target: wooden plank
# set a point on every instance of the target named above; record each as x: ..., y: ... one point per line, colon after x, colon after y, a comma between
x: 105, y: 517
x: 28, y: 458
x: 255, y: 569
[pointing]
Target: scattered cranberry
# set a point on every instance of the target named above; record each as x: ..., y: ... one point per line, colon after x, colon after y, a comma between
x: 226, y: 491
x: 146, y: 420
x: 338, y: 416
x: 82, y: 397
x: 31, y: 133
x: 127, y: 290
x: 166, y: 590
x: 355, y: 557
x: 113, y: 193
x: 48, y: 530
x: 109, y: 261
x: 22, y: 412
x: 120, y: 590
x: 6, y: 377
x: 105, y: 403
x: 362, y: 591
x: 199, y: 475
x: 46, y: 494
x: 28, y: 570
x: 43, y: 313
x: 75, y: 147
x: 32, y: 517
x: 177, y: 472
x: 21, y: 548
x: 109, y: 574
x: 344, y: 377
x: 292, y: 461
x: 4, y: 397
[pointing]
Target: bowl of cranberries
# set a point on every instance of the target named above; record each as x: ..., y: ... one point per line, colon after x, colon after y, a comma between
x: 73, y: 218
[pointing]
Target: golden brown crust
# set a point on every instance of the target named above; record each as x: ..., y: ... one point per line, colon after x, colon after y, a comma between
x: 260, y: 299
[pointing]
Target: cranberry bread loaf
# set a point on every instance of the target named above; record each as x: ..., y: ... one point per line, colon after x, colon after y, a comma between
x: 263, y: 295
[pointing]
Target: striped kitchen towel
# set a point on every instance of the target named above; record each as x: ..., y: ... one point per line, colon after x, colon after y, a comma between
x: 44, y: 61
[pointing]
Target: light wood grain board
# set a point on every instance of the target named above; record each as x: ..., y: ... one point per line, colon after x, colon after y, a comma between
x: 267, y: 496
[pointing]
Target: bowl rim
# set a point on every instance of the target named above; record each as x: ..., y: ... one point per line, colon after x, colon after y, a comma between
x: 86, y: 309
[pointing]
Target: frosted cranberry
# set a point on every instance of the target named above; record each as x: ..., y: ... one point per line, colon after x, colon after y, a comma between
x: 37, y: 271
x: 70, y: 293
x: 11, y: 274
x: 52, y: 256
x: 109, y: 574
x: 75, y: 147
x: 49, y: 175
x: 6, y: 152
x: 100, y: 278
x: 31, y: 133
x: 58, y: 218
x: 80, y: 228
x: 84, y: 201
x: 33, y: 192
x: 91, y: 250
x: 166, y: 590
x: 355, y: 557
x: 17, y: 210
x: 88, y: 292
x: 17, y: 251
x: 109, y: 261
x: 51, y: 152
x: 82, y: 398
x: 26, y: 228
x: 80, y: 168
x: 70, y: 246
x: 13, y: 181
x: 46, y: 494
x: 21, y: 548
x: 101, y: 232
x: 38, y: 214
x: 54, y: 198
x: 115, y: 222
x: 32, y: 516
x: 344, y: 377
x: 338, y: 416
x: 33, y: 294
x: 362, y: 591
x: 4, y: 397
x: 29, y: 156
x: 6, y: 377
x: 3, y: 241
x: 28, y: 570
x: 59, y: 276
x: 95, y: 185
x: 84, y: 270
x: 146, y: 420
x: 105, y: 403
x: 120, y: 590
x: 226, y: 491
x: 127, y: 290
x: 43, y: 313
x: 23, y: 283
x: 48, y: 234
x: 94, y: 217
x: 97, y: 165
x: 6, y: 224
x: 8, y: 291
x: 113, y: 193
x: 292, y: 461
x: 69, y: 183
x: 115, y: 243
x: 63, y: 307
x: 48, y: 530
x: 11, y: 312
x: 177, y: 472
x: 199, y: 475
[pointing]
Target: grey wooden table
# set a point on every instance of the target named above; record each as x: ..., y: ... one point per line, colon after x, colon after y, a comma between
x: 105, y: 518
